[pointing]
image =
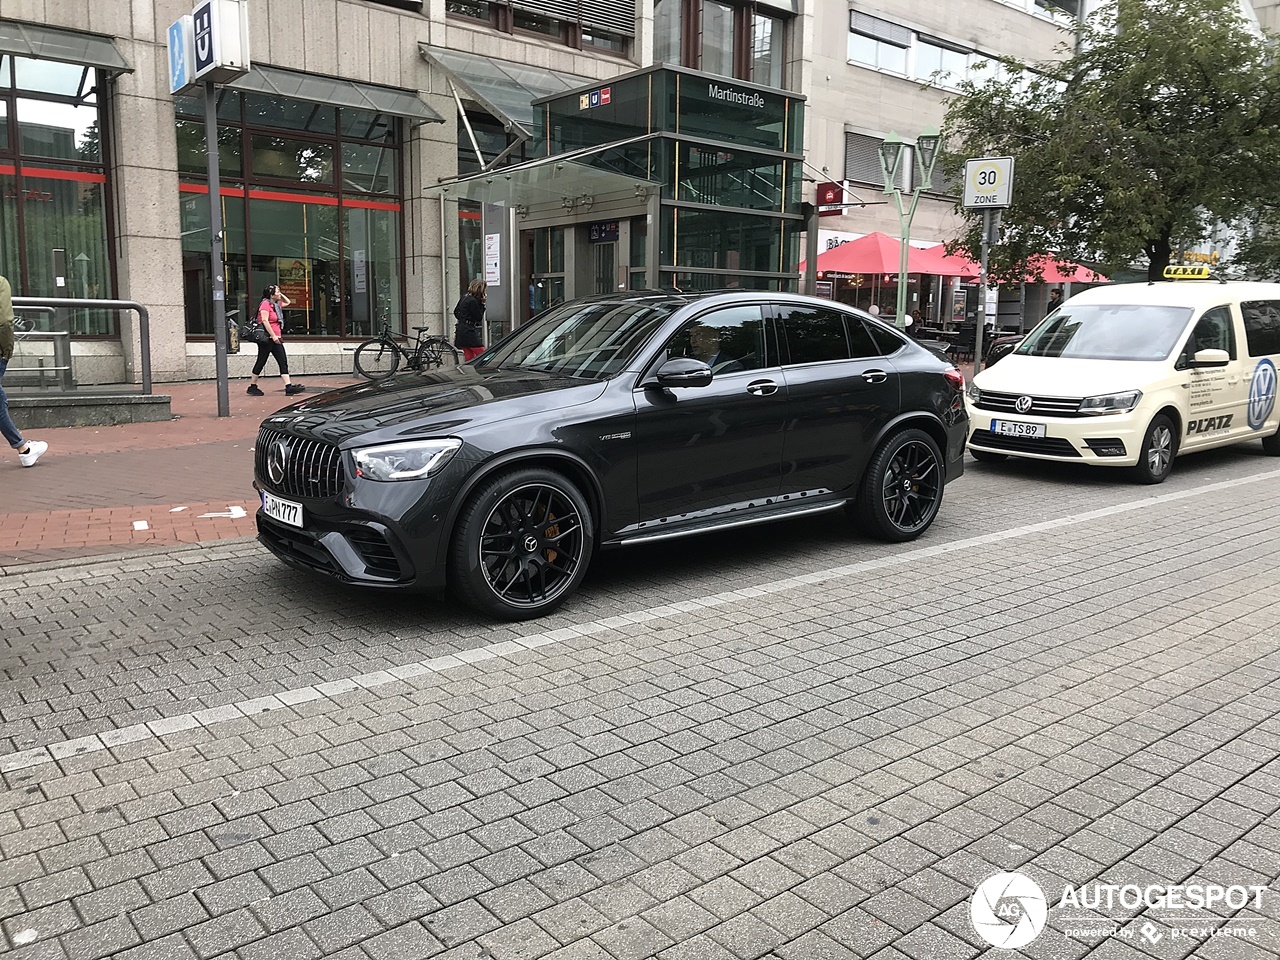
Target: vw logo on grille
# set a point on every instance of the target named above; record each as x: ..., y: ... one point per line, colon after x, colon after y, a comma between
x: 277, y: 459
x: 531, y: 544
x: 1022, y: 404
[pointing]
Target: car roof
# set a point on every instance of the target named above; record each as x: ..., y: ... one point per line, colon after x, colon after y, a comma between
x: 1196, y: 294
x: 727, y: 295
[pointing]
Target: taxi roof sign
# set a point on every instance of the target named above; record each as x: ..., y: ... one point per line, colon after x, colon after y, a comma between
x: 1187, y: 272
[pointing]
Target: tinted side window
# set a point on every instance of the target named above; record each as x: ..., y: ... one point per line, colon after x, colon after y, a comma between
x: 1262, y: 326
x: 1213, y: 331
x: 814, y: 334
x: 726, y: 340
x: 886, y: 341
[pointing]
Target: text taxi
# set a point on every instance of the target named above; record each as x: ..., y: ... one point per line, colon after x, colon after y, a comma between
x: 1132, y: 375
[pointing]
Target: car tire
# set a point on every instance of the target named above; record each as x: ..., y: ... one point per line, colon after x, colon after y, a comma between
x: 901, y: 490
x: 1159, y: 447
x: 511, y: 556
x: 986, y: 456
x: 1271, y: 445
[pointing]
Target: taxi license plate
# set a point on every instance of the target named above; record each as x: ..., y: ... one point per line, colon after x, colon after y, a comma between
x: 1016, y: 428
x: 286, y: 511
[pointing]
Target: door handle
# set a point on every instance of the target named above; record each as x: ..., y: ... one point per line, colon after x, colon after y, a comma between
x: 762, y: 388
x: 875, y: 376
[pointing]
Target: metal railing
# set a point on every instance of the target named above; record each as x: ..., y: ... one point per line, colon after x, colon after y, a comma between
x: 62, y: 338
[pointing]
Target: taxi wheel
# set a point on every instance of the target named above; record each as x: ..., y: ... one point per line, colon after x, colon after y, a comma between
x: 1271, y: 445
x: 985, y: 456
x: 1159, y: 447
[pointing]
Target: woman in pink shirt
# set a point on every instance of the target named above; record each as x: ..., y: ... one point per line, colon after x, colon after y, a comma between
x: 271, y: 316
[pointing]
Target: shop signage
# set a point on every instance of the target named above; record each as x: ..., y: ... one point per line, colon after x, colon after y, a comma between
x: 604, y: 232
x: 294, y: 277
x: 596, y: 98
x: 359, y: 271
x: 493, y: 258
x: 830, y: 199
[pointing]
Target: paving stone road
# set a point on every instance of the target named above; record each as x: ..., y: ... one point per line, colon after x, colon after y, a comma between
x: 784, y: 742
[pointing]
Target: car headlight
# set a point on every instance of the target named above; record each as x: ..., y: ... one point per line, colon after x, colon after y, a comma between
x: 973, y: 393
x: 405, y: 461
x: 1111, y: 402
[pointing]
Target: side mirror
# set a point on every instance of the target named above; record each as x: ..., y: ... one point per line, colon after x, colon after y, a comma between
x: 682, y: 372
x: 1211, y: 358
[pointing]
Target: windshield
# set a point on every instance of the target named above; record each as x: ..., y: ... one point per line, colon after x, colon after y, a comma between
x: 588, y: 339
x: 1108, y: 332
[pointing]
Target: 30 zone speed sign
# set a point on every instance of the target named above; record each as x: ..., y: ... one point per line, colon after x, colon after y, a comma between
x: 988, y: 182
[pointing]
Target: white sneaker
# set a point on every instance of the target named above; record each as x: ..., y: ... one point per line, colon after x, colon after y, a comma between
x: 35, y: 450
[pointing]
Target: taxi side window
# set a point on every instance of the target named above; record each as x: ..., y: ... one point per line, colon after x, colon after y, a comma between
x: 1213, y: 331
x: 1262, y: 326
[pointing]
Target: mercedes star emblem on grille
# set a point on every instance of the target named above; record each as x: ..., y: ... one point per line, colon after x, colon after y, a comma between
x: 1022, y: 404
x: 277, y: 458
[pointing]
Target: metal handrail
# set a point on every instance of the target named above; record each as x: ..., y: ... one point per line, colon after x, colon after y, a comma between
x: 144, y: 322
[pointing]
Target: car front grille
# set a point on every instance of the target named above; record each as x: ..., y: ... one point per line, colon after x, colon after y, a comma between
x: 1044, y: 406
x: 296, y: 546
x: 1047, y: 446
x: 298, y: 467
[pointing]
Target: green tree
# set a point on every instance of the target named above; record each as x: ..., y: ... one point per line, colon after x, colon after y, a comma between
x: 1161, y: 123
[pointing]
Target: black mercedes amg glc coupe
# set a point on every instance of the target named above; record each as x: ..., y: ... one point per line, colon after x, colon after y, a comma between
x: 610, y: 421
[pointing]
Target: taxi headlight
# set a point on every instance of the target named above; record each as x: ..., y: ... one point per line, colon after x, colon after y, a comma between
x: 973, y: 393
x: 1111, y: 403
x: 405, y: 461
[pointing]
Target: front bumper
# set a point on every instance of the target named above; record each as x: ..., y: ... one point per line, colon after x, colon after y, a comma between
x: 1107, y: 441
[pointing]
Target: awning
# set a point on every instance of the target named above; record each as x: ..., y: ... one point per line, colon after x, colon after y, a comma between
x: 277, y: 82
x: 561, y: 181
x: 66, y: 46
x: 506, y: 90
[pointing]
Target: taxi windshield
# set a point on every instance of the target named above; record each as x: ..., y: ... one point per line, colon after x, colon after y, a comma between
x: 1126, y: 331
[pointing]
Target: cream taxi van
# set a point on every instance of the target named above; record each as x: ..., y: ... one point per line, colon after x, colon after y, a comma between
x: 1133, y: 375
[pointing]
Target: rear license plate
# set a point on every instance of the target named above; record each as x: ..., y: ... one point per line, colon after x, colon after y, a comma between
x: 1015, y: 428
x: 286, y: 511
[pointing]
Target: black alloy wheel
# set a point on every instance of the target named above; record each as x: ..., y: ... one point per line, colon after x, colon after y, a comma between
x: 902, y: 488
x: 522, y: 544
x: 1159, y: 447
x: 376, y: 359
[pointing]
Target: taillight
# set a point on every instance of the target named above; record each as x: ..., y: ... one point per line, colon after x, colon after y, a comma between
x: 955, y: 378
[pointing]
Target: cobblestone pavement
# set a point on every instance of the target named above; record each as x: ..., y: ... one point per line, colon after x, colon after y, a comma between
x: 786, y: 742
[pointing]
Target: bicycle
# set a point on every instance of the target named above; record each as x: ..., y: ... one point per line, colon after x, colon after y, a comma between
x: 380, y: 356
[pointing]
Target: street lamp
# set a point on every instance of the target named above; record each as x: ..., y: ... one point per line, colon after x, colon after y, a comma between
x: 890, y: 160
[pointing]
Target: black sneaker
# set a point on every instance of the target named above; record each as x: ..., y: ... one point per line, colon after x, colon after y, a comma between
x: 294, y: 388
x: 255, y: 391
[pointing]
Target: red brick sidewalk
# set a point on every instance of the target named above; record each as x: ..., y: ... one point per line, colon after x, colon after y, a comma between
x: 108, y: 489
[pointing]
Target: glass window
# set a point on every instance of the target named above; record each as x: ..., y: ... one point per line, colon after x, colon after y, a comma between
x: 728, y: 341
x: 767, y: 50
x: 59, y: 131
x: 940, y: 65
x: 886, y: 341
x: 814, y: 334
x: 11, y: 199
x: 371, y: 245
x: 6, y: 64
x: 52, y: 76
x: 729, y: 113
x: 228, y: 106
x: 281, y: 158
x: 715, y: 42
x: 368, y: 169
x: 861, y: 342
x: 1213, y: 331
x: 729, y: 178
x: 295, y: 245
x: 666, y: 31
x: 1108, y: 332
x: 1262, y: 326
x: 599, y: 40
x: 536, y: 24
x: 871, y: 52
x: 727, y: 241
x: 476, y: 9
x: 366, y: 125
x: 4, y: 124
x: 286, y: 114
x: 193, y: 159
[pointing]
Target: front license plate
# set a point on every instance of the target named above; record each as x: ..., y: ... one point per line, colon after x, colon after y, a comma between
x: 1016, y: 428
x: 286, y: 511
